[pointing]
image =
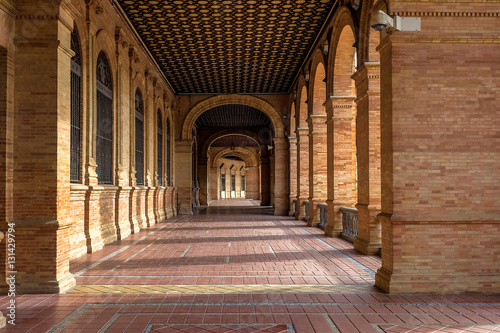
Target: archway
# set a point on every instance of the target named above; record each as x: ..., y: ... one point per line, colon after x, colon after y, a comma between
x: 302, y: 134
x: 215, y: 143
x: 271, y: 134
x: 317, y: 141
x: 367, y: 80
x: 341, y: 113
x: 250, y: 101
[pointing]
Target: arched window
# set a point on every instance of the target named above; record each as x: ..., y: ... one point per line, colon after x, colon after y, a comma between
x: 169, y: 178
x: 76, y: 112
x: 160, y: 148
x: 104, y: 144
x: 139, y: 137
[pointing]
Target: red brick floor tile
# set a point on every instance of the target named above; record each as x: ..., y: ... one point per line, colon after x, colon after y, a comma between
x: 242, y: 246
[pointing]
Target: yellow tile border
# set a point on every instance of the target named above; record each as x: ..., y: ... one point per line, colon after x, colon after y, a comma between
x: 222, y: 289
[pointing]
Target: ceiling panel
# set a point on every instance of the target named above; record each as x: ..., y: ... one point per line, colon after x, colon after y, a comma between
x: 229, y: 46
x: 237, y: 140
x: 233, y: 116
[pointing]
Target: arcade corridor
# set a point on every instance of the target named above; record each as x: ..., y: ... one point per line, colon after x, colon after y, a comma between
x: 234, y: 267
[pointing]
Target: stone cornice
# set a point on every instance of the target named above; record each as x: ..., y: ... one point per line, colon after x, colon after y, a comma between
x: 447, y: 14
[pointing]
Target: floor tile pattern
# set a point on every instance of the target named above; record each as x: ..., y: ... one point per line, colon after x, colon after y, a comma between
x: 239, y: 269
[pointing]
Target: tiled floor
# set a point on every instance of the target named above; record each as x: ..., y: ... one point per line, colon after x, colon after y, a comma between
x: 235, y: 268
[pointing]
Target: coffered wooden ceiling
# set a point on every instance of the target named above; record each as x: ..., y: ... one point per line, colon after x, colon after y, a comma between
x: 228, y: 46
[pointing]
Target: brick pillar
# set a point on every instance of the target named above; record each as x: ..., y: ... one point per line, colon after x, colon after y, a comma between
x: 271, y: 173
x: 6, y: 130
x: 265, y: 171
x: 292, y: 153
x: 213, y: 188
x: 203, y: 177
x: 281, y: 173
x: 318, y: 186
x: 302, y: 135
x: 440, y: 155
x: 368, y: 149
x: 184, y: 174
x: 340, y: 182
x: 6, y: 144
x: 252, y: 179
x: 41, y: 200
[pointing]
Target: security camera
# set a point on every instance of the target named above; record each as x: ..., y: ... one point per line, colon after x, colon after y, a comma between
x: 380, y: 21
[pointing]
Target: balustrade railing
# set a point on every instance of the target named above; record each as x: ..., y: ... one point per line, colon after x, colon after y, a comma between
x: 349, y: 223
x: 306, y: 209
x: 323, y: 215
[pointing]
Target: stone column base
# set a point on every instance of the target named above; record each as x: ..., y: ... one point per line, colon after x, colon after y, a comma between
x: 281, y: 206
x: 369, y: 230
x: 334, y: 226
x: 365, y: 247
x: 40, y: 286
x: 438, y: 256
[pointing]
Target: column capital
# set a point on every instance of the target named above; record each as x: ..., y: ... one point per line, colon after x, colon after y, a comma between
x: 339, y: 107
x: 301, y: 131
x: 184, y: 146
x: 280, y: 144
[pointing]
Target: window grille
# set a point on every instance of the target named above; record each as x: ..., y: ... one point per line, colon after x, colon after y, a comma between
x: 139, y: 138
x: 169, y: 181
x: 233, y: 183
x: 223, y: 182
x: 160, y: 149
x: 242, y: 183
x: 75, y: 106
x: 104, y: 144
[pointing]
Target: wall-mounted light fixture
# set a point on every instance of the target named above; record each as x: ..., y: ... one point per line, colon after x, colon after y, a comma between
x: 325, y: 47
x: 306, y: 75
x: 232, y: 146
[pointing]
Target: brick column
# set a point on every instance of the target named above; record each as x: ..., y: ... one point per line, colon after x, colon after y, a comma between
x: 252, y: 178
x: 318, y: 186
x: 368, y: 149
x: 440, y: 155
x: 265, y: 171
x: 281, y: 173
x: 203, y: 177
x: 340, y: 183
x: 214, y: 183
x: 184, y: 173
x: 271, y: 173
x: 6, y: 144
x: 292, y: 153
x: 302, y: 135
x: 41, y: 193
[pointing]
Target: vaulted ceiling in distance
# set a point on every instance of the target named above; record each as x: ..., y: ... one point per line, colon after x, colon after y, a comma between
x: 228, y: 46
x: 233, y: 116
